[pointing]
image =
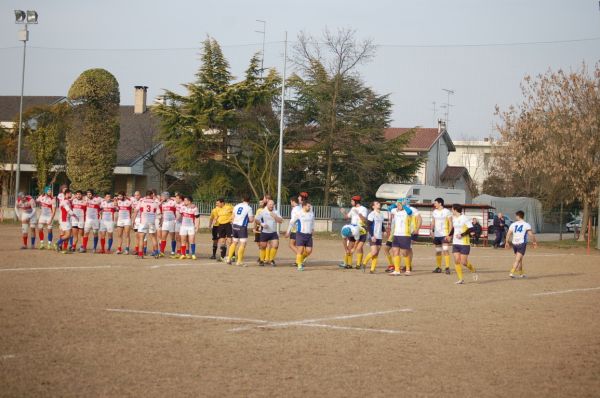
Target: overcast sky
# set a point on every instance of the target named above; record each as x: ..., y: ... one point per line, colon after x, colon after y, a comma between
x: 479, y: 48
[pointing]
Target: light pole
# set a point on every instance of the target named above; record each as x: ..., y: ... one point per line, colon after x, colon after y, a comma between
x: 25, y: 18
x: 262, y: 54
x: 281, y: 127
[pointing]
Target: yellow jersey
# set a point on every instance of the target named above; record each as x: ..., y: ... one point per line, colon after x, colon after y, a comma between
x: 224, y: 214
x: 213, y: 216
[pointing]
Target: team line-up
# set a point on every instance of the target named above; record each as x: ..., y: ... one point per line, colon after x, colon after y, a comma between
x: 155, y: 218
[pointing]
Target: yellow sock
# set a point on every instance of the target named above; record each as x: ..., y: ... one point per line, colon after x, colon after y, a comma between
x: 232, y: 250
x: 298, y: 259
x: 272, y: 253
x: 470, y: 266
x: 348, y: 259
x: 373, y: 264
x: 458, y: 269
x: 366, y: 260
x: 438, y: 261
x: 304, y: 255
x: 521, y: 270
x: 359, y: 257
x: 262, y: 254
x: 512, y: 270
x: 389, y: 259
x: 240, y: 257
x: 447, y: 259
x: 397, y: 263
x: 407, y: 263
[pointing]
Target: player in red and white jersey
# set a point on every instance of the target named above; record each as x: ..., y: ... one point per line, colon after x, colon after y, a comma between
x: 125, y: 209
x: 66, y: 214
x: 168, y: 209
x: 178, y: 206
x: 147, y: 210
x: 190, y: 221
x: 47, y: 204
x: 79, y: 205
x: 92, y: 219
x: 134, y: 202
x: 108, y: 214
x: 25, y: 212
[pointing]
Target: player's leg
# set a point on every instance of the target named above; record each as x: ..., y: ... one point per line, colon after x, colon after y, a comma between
x: 262, y: 252
x: 215, y: 242
x: 241, y: 250
x: 373, y: 254
x: 358, y: 249
x: 24, y: 233
x: 183, y: 245
x: 458, y: 265
x: 396, y: 256
x: 192, y: 241
x: 32, y: 225
x: 387, y: 250
x: 272, y: 250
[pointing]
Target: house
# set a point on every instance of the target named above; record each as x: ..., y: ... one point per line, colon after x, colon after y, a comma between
x: 141, y: 160
x: 435, y: 146
x: 475, y: 156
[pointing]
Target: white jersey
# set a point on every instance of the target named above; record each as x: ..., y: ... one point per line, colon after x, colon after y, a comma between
x: 267, y: 221
x: 519, y: 230
x: 376, y: 224
x: 92, y: 211
x: 46, y: 204
x: 304, y: 221
x: 134, y: 206
x: 79, y: 208
x: 26, y: 206
x: 461, y: 224
x: 241, y: 214
x: 355, y: 231
x: 355, y: 214
x: 125, y: 207
x: 188, y: 215
x: 404, y: 223
x: 295, y: 212
x: 168, y: 209
x: 443, y: 222
x: 107, y: 210
x: 148, y: 208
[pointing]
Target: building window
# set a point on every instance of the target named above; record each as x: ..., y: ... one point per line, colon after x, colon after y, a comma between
x: 416, y: 191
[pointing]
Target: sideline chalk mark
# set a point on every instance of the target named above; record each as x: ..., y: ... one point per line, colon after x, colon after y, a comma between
x: 566, y: 291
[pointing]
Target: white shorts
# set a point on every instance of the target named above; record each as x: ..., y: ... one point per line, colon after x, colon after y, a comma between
x: 168, y: 226
x: 27, y: 223
x: 77, y: 223
x: 136, y: 224
x: 91, y: 225
x: 147, y: 228
x: 187, y: 230
x: 126, y: 222
x: 65, y: 225
x: 44, y: 220
x: 177, y: 227
x: 107, y: 226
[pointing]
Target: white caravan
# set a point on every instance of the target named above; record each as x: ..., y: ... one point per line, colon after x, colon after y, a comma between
x: 420, y: 193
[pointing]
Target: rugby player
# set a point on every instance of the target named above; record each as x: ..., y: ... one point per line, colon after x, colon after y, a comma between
x: 190, y: 222
x: 92, y: 220
x: 461, y: 242
x: 296, y: 208
x: 213, y: 225
x: 519, y: 233
x: 124, y: 211
x: 305, y: 225
x: 269, y: 239
x: 147, y: 209
x: 441, y: 224
x: 47, y: 204
x: 224, y: 231
x: 108, y: 215
x: 404, y: 228
x: 79, y: 206
x: 25, y: 211
x: 66, y: 215
x: 357, y: 216
x: 168, y: 209
x: 242, y: 215
x: 375, y: 226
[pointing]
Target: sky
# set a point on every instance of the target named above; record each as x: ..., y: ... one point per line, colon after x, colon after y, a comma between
x: 480, y: 49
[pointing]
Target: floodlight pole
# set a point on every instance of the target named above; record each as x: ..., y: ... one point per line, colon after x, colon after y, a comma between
x: 23, y: 36
x: 262, y: 55
x: 280, y: 166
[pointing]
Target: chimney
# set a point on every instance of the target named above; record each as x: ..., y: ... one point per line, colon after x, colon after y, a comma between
x: 441, y: 126
x: 139, y: 105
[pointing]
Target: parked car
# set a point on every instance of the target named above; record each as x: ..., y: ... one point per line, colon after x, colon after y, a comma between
x: 571, y: 225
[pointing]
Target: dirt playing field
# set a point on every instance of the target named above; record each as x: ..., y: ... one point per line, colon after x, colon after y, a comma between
x: 107, y: 325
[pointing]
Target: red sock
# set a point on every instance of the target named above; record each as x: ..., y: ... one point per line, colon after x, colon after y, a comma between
x: 137, y: 249
x: 119, y: 249
x: 141, y: 253
x: 102, y: 243
x: 163, y: 245
x: 85, y: 241
x: 66, y: 244
x: 25, y: 240
x: 183, y: 250
x: 41, y: 235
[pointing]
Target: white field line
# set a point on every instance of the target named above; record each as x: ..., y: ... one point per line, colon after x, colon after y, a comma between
x: 304, y: 322
x: 320, y: 325
x: 58, y: 268
x: 566, y: 291
x: 7, y: 356
x: 180, y: 315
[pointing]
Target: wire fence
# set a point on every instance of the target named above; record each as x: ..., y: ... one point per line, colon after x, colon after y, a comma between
x: 321, y: 212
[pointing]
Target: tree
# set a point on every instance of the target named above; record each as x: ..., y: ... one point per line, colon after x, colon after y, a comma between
x: 94, y: 134
x: 554, y: 134
x: 46, y: 142
x: 338, y: 123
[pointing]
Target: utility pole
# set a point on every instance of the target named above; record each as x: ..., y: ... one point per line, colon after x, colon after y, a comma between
x: 262, y: 54
x: 281, y: 126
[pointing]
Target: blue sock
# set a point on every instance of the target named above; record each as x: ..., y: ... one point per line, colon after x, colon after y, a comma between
x: 193, y: 248
x: 109, y: 243
x: 71, y: 241
x: 59, y: 243
x: 145, y: 250
x: 33, y: 241
x: 50, y: 236
x: 173, y: 245
x: 95, y: 242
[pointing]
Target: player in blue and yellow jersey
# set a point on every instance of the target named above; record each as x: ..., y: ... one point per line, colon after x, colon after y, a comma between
x: 441, y: 224
x: 242, y: 216
x: 357, y: 216
x: 404, y: 228
x: 519, y: 234
x: 305, y: 225
x: 461, y: 242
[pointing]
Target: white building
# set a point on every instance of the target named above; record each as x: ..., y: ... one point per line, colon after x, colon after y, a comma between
x: 475, y: 156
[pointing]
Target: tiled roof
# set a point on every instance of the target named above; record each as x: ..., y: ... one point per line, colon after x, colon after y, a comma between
x: 453, y: 173
x: 422, y: 140
x: 9, y: 104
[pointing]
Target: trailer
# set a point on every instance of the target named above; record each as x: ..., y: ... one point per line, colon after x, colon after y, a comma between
x: 419, y: 193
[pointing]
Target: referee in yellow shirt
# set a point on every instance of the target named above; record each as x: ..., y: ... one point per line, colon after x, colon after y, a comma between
x: 213, y: 224
x: 223, y: 219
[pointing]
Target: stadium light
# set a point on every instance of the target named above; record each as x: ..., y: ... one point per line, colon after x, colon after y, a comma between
x: 24, y: 18
x: 281, y: 127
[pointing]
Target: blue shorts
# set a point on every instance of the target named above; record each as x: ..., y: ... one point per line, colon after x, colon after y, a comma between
x: 293, y: 236
x: 462, y: 249
x: 240, y: 232
x: 439, y: 240
x: 388, y: 243
x: 362, y: 238
x: 268, y: 236
x: 520, y: 248
x: 304, y: 240
x: 376, y: 243
x: 403, y: 242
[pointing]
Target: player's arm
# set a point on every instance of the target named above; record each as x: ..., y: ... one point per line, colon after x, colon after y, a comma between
x: 508, y: 238
x: 362, y: 217
x: 293, y: 220
x: 276, y: 217
x: 211, y: 220
x: 196, y: 221
x: 533, y: 238
x: 17, y: 211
